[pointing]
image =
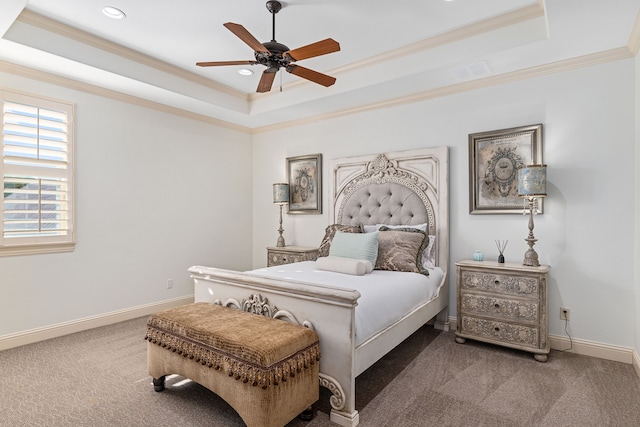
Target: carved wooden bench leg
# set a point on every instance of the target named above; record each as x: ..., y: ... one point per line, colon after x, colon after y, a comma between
x: 158, y: 383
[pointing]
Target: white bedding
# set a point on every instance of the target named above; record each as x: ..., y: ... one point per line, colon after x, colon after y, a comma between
x: 386, y: 296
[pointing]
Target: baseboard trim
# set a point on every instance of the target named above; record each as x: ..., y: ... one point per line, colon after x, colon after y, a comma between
x: 66, y: 328
x: 560, y: 343
x: 592, y: 348
x: 589, y: 348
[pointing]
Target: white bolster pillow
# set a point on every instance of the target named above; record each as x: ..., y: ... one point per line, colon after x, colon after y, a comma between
x: 356, y: 267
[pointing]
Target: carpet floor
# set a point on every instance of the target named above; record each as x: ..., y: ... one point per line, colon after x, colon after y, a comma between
x: 98, y: 378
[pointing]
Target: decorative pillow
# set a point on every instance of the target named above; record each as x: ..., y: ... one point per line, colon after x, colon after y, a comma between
x: 429, y: 254
x: 357, y: 267
x: 330, y: 231
x: 421, y: 227
x: 401, y: 249
x: 371, y: 228
x: 355, y: 245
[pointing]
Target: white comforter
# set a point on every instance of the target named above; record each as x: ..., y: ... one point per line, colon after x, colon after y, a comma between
x: 386, y: 295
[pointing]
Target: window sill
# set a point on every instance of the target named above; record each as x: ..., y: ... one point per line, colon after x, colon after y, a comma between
x: 48, y: 248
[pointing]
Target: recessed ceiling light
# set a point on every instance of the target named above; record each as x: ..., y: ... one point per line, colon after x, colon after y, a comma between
x: 113, y: 12
x: 245, y: 72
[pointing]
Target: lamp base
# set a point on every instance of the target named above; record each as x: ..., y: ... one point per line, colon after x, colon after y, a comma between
x: 280, y: 243
x: 531, y: 258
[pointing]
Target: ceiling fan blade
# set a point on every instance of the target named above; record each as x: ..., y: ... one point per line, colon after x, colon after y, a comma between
x: 246, y: 37
x: 219, y: 63
x: 266, y: 81
x: 314, y: 76
x: 314, y: 49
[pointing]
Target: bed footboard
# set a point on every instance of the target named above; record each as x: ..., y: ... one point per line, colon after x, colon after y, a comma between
x: 327, y: 310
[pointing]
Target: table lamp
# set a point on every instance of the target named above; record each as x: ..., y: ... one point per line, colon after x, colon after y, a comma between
x: 532, y: 184
x: 280, y: 197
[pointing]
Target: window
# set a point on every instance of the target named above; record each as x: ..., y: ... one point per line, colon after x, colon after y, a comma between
x: 37, y: 173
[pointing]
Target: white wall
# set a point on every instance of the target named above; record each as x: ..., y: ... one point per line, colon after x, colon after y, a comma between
x: 585, y: 232
x: 637, y: 207
x: 156, y: 193
x: 160, y: 167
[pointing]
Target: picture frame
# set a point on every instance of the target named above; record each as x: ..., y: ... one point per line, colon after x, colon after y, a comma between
x: 304, y: 175
x: 494, y: 159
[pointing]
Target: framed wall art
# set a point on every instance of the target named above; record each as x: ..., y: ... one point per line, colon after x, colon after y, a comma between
x: 304, y: 175
x: 494, y: 159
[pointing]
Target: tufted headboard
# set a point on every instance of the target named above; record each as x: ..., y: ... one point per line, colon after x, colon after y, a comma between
x: 397, y: 188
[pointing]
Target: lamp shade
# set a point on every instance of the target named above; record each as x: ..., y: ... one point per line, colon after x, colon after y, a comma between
x: 281, y: 193
x: 532, y: 181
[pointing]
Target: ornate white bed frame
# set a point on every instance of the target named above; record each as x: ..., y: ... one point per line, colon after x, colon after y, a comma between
x: 331, y: 311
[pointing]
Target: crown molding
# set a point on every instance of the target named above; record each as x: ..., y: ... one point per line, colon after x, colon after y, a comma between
x: 513, y: 76
x: 634, y: 37
x: 466, y: 32
x: 112, y: 94
x: 505, y: 20
x: 499, y: 79
x: 47, y: 24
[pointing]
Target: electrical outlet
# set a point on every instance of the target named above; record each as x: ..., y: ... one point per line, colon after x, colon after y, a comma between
x: 565, y: 313
x: 169, y: 283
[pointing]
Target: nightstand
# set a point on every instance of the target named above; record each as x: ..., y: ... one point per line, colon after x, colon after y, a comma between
x: 504, y: 304
x: 289, y: 254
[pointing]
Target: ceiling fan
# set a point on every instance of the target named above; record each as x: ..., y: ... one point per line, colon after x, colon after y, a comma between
x: 274, y: 55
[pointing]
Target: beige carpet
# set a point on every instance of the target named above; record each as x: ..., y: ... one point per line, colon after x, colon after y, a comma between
x: 98, y: 378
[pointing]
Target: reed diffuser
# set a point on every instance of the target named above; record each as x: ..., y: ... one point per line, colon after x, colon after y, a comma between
x: 502, y: 245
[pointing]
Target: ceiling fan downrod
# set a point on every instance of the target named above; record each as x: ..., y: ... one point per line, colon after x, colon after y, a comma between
x: 273, y: 7
x: 274, y: 59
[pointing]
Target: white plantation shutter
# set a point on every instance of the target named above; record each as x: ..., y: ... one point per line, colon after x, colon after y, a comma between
x: 37, y: 173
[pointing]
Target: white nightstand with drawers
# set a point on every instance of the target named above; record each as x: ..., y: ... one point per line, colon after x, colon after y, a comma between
x: 504, y: 304
x: 288, y: 254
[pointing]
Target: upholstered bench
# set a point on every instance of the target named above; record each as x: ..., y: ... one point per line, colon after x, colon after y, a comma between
x: 266, y: 369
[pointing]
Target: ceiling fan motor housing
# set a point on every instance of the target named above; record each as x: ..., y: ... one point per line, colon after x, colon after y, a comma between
x: 273, y: 59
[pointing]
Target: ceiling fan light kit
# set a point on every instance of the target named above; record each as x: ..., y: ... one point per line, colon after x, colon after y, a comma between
x: 274, y: 55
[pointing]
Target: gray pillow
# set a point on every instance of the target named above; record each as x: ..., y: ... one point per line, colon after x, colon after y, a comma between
x: 401, y: 249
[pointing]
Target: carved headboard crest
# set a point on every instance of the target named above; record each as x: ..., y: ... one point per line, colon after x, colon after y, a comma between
x: 382, y: 170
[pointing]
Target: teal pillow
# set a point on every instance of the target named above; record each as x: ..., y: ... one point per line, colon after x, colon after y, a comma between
x: 355, y: 245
